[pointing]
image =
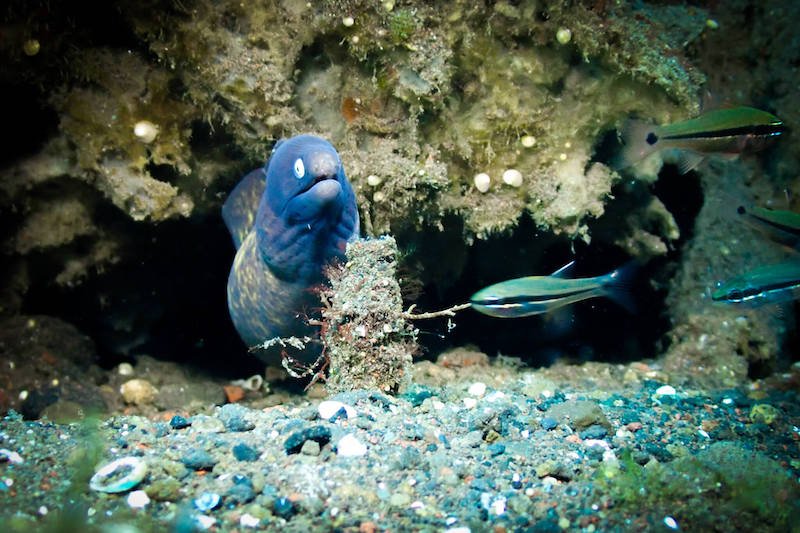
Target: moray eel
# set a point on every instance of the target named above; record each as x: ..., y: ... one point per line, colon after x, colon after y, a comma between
x: 287, y: 221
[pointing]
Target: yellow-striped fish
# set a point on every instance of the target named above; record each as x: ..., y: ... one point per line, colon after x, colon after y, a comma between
x: 723, y: 131
x: 535, y: 295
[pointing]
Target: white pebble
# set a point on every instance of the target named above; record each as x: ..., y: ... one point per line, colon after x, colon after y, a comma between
x: 470, y: 403
x: 204, y: 522
x: 477, y: 389
x: 482, y: 181
x: 248, y: 520
x: 138, y: 499
x: 564, y: 35
x: 350, y: 446
x: 348, y: 21
x: 373, y: 180
x: 512, y: 177
x: 666, y: 390
x: 670, y: 522
x: 146, y: 131
x: 329, y: 408
x: 11, y: 457
x: 43, y: 510
x: 528, y: 141
x: 125, y: 369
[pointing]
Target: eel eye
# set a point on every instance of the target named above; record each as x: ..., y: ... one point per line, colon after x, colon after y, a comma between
x: 299, y: 169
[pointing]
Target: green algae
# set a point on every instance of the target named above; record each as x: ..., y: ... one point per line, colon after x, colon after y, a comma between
x: 720, y: 487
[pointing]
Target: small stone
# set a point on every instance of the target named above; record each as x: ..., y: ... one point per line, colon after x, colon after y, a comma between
x: 294, y: 442
x: 310, y: 448
x: 477, y: 389
x: 179, y: 422
x: 333, y: 410
x: 198, y: 460
x: 243, y: 452
x: 666, y: 390
x: 125, y: 369
x: 233, y: 416
x: 206, y: 501
x: 595, y: 431
x: 138, y: 392
x: 138, y: 499
x: 248, y: 520
x: 528, y: 141
x: 347, y: 22
x: 496, y: 448
x: 549, y: 423
x: 233, y: 393
x: 350, y: 446
x: 373, y: 180
x: 283, y: 507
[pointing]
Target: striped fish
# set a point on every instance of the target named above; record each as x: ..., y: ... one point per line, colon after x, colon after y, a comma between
x: 766, y: 284
x: 535, y: 295
x: 779, y: 225
x: 723, y: 131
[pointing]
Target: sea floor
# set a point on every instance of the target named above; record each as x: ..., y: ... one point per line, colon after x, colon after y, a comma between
x: 474, y: 445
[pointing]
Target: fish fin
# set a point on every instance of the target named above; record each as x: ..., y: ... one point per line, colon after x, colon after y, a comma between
x: 636, y: 137
x: 688, y: 160
x: 240, y: 208
x: 617, y: 286
x: 564, y: 271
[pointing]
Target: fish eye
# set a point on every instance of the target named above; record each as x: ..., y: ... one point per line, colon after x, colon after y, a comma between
x: 299, y: 169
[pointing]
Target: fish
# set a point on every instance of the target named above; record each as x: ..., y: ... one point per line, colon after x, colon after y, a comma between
x: 535, y: 295
x: 762, y: 285
x: 779, y: 225
x: 288, y: 220
x: 728, y: 131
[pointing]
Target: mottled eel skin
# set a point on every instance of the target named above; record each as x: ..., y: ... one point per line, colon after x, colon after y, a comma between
x: 287, y: 221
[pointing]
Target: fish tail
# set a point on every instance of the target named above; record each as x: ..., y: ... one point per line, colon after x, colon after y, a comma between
x: 639, y: 140
x: 618, y: 285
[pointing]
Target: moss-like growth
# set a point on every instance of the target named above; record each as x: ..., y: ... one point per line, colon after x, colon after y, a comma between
x: 745, y: 489
x: 367, y: 341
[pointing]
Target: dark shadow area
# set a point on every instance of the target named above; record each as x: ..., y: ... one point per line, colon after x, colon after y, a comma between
x: 169, y: 301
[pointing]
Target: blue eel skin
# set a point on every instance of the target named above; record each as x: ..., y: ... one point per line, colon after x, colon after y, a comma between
x: 287, y: 221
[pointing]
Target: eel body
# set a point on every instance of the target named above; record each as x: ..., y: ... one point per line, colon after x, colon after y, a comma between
x: 288, y: 220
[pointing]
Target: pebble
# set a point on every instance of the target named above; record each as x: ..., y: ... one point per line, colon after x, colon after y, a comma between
x: 11, y: 457
x: 512, y: 177
x: 248, y: 520
x: 333, y: 410
x: 138, y: 392
x: 243, y: 452
x: 198, y: 460
x: 179, y: 422
x: 477, y: 389
x: 350, y: 446
x: 482, y: 182
x: 283, y: 507
x: 138, y: 499
x: 665, y: 390
x: 595, y: 431
x: 311, y: 448
x: 207, y: 501
x: 549, y: 423
x: 233, y: 416
x: 294, y: 443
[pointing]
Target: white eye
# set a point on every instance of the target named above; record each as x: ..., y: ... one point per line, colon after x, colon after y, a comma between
x: 299, y: 169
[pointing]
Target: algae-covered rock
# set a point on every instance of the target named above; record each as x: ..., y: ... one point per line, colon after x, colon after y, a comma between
x: 368, y: 342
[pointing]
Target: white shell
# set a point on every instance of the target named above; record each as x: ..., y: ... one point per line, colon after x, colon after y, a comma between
x: 373, y: 180
x: 482, y: 181
x: 146, y: 131
x: 512, y: 177
x: 137, y: 467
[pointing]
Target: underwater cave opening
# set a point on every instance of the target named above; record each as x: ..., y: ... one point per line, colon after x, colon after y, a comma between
x: 597, y: 329
x: 166, y: 298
